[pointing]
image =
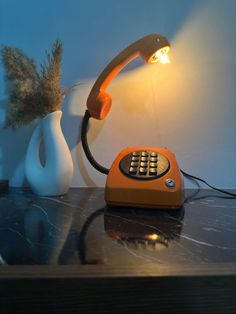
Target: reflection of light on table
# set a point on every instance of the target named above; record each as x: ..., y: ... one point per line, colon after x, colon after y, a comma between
x: 153, y: 236
x: 142, y: 230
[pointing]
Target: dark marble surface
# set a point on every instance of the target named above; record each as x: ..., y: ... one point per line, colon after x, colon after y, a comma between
x: 77, y: 229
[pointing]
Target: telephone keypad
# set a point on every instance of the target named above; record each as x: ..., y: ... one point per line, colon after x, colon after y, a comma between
x: 144, y: 165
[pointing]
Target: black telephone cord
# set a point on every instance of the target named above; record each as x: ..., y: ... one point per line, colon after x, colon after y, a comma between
x: 86, y: 149
x: 187, y: 175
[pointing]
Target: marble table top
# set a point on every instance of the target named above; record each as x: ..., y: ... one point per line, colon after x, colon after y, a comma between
x: 78, y: 229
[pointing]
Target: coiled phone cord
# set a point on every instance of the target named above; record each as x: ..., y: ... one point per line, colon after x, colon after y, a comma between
x: 105, y: 171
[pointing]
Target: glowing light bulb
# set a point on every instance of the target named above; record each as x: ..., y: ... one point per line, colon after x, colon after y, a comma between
x: 161, y: 56
x: 164, y: 59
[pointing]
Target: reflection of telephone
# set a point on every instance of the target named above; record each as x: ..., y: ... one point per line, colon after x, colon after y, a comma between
x: 150, y: 228
x: 145, y: 177
x: 141, y: 176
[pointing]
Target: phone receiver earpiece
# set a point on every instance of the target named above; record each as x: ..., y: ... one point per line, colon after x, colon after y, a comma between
x: 99, y: 104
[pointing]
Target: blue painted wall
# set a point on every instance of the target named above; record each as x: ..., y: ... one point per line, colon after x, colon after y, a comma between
x: 92, y: 33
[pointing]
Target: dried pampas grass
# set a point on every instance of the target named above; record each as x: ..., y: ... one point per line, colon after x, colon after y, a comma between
x: 32, y: 94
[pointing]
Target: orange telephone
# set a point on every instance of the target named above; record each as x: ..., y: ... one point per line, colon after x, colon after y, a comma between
x: 141, y: 176
x: 145, y: 177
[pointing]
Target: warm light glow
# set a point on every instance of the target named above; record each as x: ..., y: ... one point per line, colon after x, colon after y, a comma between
x: 164, y: 59
x: 153, y: 236
x: 161, y: 56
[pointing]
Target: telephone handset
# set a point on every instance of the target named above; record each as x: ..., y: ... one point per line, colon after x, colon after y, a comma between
x: 141, y: 176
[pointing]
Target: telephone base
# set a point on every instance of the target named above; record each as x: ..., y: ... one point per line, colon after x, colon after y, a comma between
x: 146, y: 177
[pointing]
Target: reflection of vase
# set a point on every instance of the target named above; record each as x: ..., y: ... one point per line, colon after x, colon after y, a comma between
x: 47, y: 226
x: 54, y: 178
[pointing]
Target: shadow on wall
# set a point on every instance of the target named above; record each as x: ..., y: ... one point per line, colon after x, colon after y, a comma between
x: 13, y: 146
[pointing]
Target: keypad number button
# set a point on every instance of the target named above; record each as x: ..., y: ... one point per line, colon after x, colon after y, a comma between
x: 133, y: 170
x: 142, y: 171
x: 153, y: 154
x: 153, y: 171
x: 143, y: 164
x: 153, y: 159
x: 134, y: 164
x: 153, y: 165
